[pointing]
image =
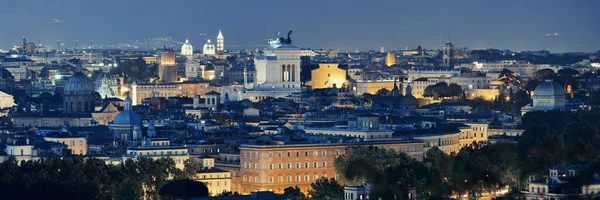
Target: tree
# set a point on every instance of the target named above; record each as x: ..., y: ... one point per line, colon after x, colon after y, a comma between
x: 442, y: 89
x: 326, y: 189
x: 184, y: 189
x: 567, y: 72
x: 455, y: 90
x: 294, y: 193
x: 383, y: 92
x: 540, y: 147
x: 508, y: 78
x: 384, y: 168
x: 581, y: 142
x: 544, y: 74
x: 229, y: 193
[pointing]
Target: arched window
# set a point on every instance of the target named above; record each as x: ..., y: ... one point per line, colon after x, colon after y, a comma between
x: 79, y: 107
x: 282, y: 73
x: 293, y: 73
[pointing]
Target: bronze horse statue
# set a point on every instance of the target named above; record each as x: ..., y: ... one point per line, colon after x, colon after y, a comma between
x: 288, y: 40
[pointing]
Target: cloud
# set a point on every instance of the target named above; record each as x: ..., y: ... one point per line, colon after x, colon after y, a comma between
x: 56, y: 21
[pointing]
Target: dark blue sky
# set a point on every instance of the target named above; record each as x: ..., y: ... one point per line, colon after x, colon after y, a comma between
x: 341, y: 24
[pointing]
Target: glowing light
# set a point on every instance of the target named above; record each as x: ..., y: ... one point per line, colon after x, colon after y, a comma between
x: 56, y: 77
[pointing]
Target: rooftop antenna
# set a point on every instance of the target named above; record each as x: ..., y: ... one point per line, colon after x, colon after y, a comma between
x: 58, y: 45
x: 76, y: 44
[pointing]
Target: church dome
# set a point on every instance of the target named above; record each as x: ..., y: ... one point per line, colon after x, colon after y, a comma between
x: 127, y: 116
x: 549, y: 88
x: 187, y: 49
x: 79, y: 83
x: 209, y: 44
x: 108, y: 79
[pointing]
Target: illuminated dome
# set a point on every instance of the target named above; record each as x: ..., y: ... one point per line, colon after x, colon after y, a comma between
x: 187, y: 49
x: 548, y: 95
x: 107, y: 78
x: 79, y: 83
x: 209, y: 48
x: 127, y: 116
x: 105, y: 92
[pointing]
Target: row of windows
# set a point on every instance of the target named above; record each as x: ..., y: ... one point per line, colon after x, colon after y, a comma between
x: 289, y: 154
x: 480, y: 128
x: 289, y: 165
x: 217, y: 176
x: 162, y: 153
x: 288, y: 179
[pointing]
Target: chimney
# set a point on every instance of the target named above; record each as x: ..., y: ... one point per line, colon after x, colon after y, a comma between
x: 27, y: 141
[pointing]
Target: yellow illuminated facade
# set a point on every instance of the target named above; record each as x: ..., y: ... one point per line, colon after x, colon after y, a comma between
x: 77, y: 145
x: 390, y: 59
x: 167, y: 68
x: 327, y: 75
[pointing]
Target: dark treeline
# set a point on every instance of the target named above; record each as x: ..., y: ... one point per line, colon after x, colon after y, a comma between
x: 550, y: 139
x: 76, y: 178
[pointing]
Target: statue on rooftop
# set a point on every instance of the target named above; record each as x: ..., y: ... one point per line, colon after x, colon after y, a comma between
x: 281, y: 40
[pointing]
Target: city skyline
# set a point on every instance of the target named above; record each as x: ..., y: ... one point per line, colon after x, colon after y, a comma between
x: 566, y: 27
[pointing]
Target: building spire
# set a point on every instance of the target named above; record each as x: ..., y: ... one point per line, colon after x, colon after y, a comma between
x: 220, y: 34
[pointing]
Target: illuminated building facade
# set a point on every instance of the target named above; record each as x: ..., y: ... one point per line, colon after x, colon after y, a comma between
x: 278, y: 166
x: 140, y: 91
x: 390, y: 59
x: 327, y: 76
x: 167, y: 70
x: 220, y: 42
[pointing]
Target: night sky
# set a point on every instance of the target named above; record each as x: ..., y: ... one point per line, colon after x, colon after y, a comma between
x: 555, y: 25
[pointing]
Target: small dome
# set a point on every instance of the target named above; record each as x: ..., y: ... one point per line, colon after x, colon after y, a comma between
x: 127, y: 117
x: 5, y: 74
x: 107, y: 78
x: 209, y: 44
x: 549, y: 88
x: 186, y: 48
x: 79, y: 83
